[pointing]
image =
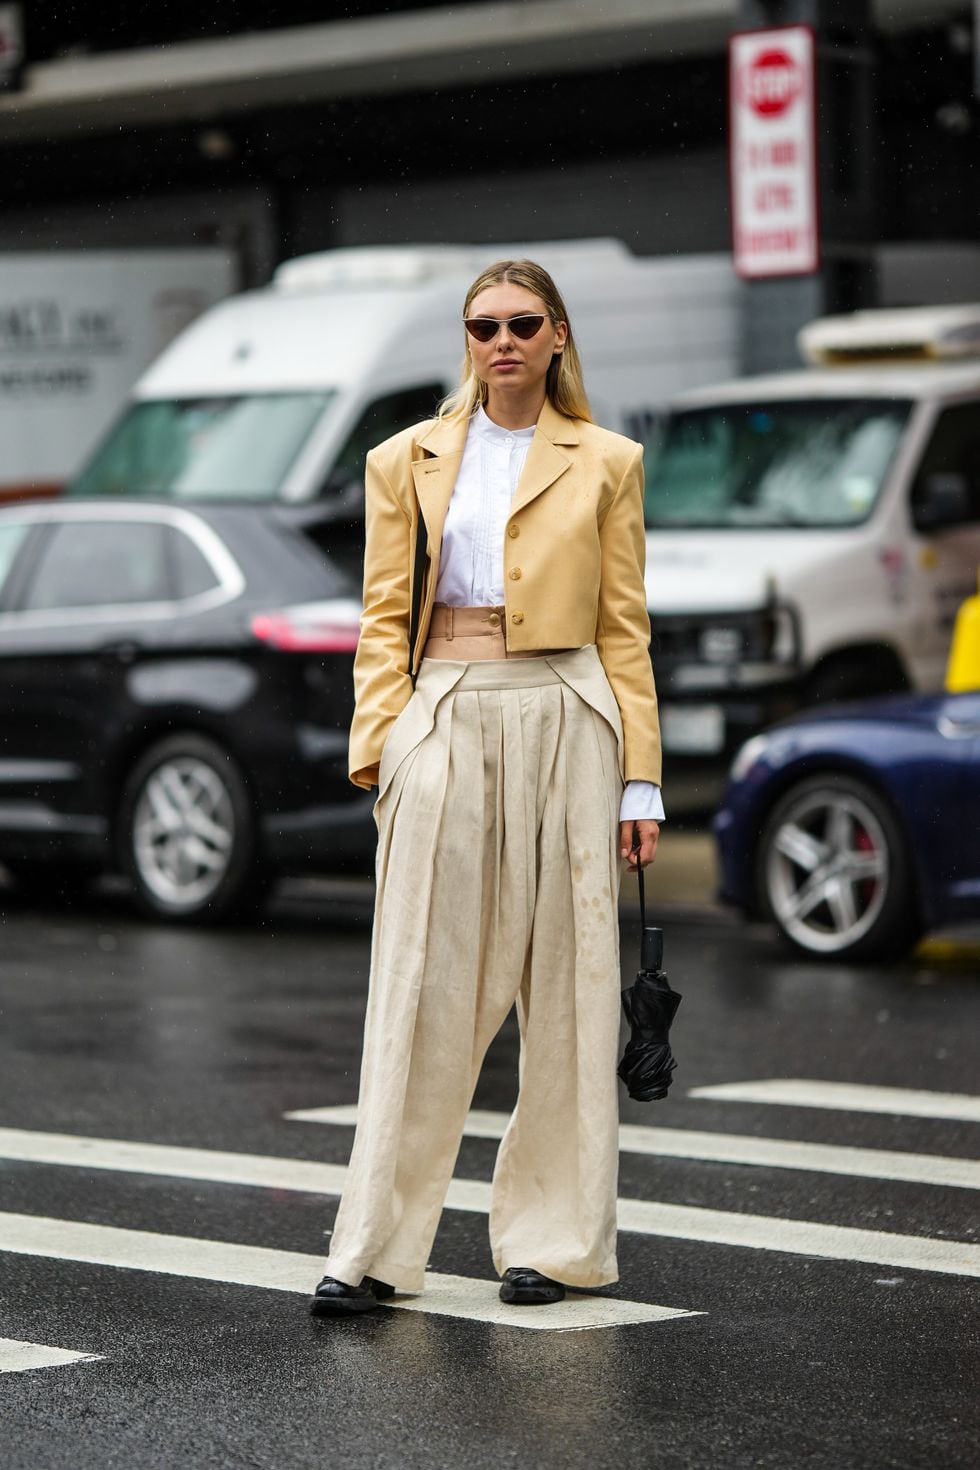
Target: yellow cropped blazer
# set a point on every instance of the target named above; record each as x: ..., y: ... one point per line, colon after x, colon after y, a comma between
x: 573, y: 570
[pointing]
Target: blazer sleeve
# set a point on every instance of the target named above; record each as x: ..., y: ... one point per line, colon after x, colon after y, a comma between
x: 382, y: 684
x: 623, y: 629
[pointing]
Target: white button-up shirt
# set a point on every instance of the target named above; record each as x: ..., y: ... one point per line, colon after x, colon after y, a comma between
x: 471, y: 561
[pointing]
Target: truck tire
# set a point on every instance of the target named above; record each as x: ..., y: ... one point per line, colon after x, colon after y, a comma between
x: 833, y: 872
x: 187, y: 832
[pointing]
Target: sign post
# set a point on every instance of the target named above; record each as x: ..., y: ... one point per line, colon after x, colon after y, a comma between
x: 773, y: 152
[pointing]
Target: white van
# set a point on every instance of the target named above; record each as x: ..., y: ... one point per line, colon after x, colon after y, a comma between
x: 811, y: 534
x: 276, y: 395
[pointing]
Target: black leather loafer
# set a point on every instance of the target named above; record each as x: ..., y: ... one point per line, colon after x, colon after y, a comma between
x: 334, y: 1298
x: 524, y: 1287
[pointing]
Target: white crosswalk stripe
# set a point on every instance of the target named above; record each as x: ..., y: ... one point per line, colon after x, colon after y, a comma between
x: 801, y: 1237
x: 734, y: 1148
x: 249, y: 1265
x: 851, y: 1097
x: 17, y: 1356
x: 721, y: 1227
x: 123, y: 1157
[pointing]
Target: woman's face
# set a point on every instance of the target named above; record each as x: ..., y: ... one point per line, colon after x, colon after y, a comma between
x: 506, y: 363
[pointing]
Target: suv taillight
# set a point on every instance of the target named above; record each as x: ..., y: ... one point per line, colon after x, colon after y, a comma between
x: 310, y: 627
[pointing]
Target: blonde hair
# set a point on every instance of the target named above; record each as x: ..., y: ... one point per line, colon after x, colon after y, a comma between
x: 564, y: 383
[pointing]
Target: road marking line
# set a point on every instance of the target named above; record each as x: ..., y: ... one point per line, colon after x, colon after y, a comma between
x: 647, y: 1217
x: 19, y: 1357
x: 851, y: 1097
x: 735, y: 1148
x: 172, y: 1162
x: 801, y: 1237
x: 249, y: 1265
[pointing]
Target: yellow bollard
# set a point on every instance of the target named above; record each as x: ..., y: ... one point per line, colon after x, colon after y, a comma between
x: 963, y: 666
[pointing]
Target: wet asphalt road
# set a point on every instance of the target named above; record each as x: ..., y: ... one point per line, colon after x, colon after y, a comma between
x: 112, y: 1028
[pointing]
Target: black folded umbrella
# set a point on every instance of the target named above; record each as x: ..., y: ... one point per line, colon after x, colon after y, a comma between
x: 650, y: 1005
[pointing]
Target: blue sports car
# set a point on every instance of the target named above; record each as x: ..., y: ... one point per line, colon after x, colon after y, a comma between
x: 856, y: 828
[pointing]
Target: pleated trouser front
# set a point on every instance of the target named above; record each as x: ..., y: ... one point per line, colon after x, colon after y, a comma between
x: 498, y: 873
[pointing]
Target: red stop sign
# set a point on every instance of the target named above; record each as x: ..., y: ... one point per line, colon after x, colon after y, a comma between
x: 772, y: 83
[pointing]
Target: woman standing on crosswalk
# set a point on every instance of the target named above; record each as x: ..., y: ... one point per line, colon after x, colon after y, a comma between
x: 501, y: 812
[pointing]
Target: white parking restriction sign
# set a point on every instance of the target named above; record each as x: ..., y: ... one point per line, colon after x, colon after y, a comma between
x: 772, y: 152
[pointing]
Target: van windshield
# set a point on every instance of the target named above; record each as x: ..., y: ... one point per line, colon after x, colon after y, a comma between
x: 228, y: 448
x: 798, y: 463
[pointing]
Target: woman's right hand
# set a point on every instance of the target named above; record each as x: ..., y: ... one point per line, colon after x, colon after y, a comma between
x: 638, y: 842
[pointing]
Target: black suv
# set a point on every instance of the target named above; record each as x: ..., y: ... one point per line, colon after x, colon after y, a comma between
x: 175, y: 697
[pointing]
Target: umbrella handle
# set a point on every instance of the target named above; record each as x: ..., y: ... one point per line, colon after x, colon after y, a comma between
x: 639, y: 877
x: 651, y: 940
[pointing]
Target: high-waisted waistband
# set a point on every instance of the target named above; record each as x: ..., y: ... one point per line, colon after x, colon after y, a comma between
x: 527, y: 673
x: 472, y: 633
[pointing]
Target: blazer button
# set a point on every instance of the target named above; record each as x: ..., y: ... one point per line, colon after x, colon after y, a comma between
x: 515, y: 575
x: 513, y: 532
x: 517, y: 618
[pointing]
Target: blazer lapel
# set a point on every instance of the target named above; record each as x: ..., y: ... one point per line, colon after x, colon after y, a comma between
x: 435, y: 476
x: 545, y: 461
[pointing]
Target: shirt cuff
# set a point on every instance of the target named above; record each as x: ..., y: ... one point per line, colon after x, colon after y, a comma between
x: 642, y: 802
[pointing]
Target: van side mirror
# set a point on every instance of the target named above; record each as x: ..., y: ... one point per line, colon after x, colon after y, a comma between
x: 941, y: 499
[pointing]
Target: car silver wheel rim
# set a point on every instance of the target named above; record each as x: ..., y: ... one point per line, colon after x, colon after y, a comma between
x: 183, y: 832
x: 827, y: 871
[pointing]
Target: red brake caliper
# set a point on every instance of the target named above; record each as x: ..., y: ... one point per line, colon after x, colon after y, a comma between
x: 863, y: 843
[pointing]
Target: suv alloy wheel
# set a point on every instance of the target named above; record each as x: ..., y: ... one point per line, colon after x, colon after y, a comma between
x: 187, y: 831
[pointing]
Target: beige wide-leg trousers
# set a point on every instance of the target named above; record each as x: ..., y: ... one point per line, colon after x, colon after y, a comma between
x: 498, y: 873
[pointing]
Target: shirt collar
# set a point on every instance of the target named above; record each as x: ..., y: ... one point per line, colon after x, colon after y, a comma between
x: 486, y: 427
